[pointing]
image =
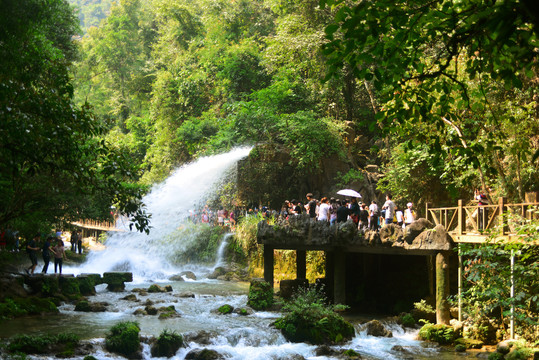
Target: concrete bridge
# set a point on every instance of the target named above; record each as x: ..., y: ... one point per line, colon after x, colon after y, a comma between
x: 437, y: 240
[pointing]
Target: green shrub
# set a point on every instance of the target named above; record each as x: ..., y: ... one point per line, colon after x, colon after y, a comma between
x: 167, y: 344
x: 442, y: 334
x: 310, y: 319
x: 260, y: 295
x: 407, y: 320
x: 495, y: 356
x: 517, y: 354
x: 123, y: 338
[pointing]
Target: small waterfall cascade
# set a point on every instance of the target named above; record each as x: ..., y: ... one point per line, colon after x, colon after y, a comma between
x: 221, y: 250
x: 149, y: 256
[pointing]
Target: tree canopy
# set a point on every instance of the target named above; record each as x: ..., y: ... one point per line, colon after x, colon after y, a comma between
x: 53, y: 166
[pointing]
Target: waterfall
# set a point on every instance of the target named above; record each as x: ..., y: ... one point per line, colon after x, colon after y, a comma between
x: 148, y: 256
x: 221, y: 251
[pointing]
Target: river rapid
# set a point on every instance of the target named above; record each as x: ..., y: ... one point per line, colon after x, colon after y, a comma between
x: 234, y: 336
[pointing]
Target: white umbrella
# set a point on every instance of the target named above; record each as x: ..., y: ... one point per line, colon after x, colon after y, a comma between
x: 349, y: 192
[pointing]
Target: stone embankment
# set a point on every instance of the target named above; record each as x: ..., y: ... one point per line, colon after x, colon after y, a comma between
x: 304, y: 232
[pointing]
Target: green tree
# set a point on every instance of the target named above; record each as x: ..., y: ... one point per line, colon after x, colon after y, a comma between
x: 443, y: 73
x: 52, y: 166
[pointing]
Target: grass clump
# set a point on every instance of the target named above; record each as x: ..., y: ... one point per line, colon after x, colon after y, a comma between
x: 260, y: 295
x: 310, y: 319
x: 123, y: 338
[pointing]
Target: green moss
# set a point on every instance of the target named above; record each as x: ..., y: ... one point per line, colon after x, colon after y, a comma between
x: 11, y: 308
x: 442, y: 334
x: 123, y: 338
x: 495, y: 356
x: 460, y: 348
x: 86, y: 285
x: 469, y: 343
x: 69, y: 286
x: 260, y: 295
x: 167, y: 344
x: 350, y: 353
x: 89, y: 357
x: 41, y: 344
x: 225, y: 309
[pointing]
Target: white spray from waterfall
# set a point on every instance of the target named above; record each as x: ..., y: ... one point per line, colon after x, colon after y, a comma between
x: 148, y: 256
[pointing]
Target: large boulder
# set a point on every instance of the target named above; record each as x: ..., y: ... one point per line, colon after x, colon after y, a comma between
x: 415, y: 228
x: 435, y: 239
x: 375, y: 328
x: 201, y: 337
x: 391, y: 233
x: 203, y: 354
x: 167, y: 344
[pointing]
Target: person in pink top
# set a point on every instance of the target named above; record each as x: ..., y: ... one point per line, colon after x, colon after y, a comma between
x: 59, y: 255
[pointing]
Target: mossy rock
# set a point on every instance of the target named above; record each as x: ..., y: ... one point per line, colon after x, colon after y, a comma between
x: 151, y: 310
x: 203, y: 354
x: 225, y: 309
x: 69, y: 286
x: 460, y: 348
x: 167, y: 344
x: 89, y: 357
x: 327, y: 330
x: 260, y: 294
x: 12, y: 308
x: 156, y: 289
x: 96, y: 278
x: 50, y: 285
x: 115, y: 277
x: 351, y: 354
x: 442, y: 334
x: 469, y: 343
x: 86, y: 285
x: 123, y: 339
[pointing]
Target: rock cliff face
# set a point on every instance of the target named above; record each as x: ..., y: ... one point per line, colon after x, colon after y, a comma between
x: 302, y: 231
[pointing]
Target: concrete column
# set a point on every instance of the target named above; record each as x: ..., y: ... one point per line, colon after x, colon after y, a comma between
x: 431, y: 274
x: 301, y: 264
x: 268, y: 264
x: 339, y: 277
x: 442, y: 288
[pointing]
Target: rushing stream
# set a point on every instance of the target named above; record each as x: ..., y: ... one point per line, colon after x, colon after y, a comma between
x: 148, y: 257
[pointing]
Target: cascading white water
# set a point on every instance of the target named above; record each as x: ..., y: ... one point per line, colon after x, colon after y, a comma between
x: 147, y: 256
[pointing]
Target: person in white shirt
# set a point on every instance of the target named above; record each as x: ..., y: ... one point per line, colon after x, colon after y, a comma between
x: 323, y: 210
x: 373, y: 216
x: 409, y: 214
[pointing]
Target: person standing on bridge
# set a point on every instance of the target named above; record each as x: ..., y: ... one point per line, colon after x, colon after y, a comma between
x: 46, y: 254
x: 389, y: 207
x: 79, y: 241
x: 73, y: 240
x: 311, y: 205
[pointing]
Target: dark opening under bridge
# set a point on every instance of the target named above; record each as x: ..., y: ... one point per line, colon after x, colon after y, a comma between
x: 436, y: 240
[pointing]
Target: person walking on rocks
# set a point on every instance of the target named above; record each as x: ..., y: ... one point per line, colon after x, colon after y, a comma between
x: 46, y: 254
x: 59, y: 255
x: 31, y: 250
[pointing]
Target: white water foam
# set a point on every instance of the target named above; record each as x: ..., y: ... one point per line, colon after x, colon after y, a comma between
x: 148, y: 256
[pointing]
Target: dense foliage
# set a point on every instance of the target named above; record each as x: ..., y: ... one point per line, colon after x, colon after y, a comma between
x: 490, y: 276
x: 53, y: 165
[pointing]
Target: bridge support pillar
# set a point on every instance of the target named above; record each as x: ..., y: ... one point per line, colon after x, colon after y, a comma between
x: 339, y: 277
x: 301, y: 264
x: 442, y: 288
x: 268, y: 264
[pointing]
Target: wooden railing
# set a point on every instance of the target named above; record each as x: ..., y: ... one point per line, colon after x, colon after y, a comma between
x: 96, y: 225
x: 480, y: 220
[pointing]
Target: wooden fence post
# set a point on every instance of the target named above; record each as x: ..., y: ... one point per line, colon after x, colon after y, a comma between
x: 501, y: 206
x: 461, y: 220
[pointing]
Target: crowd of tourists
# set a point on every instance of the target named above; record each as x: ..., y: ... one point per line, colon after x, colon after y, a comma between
x: 365, y: 216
